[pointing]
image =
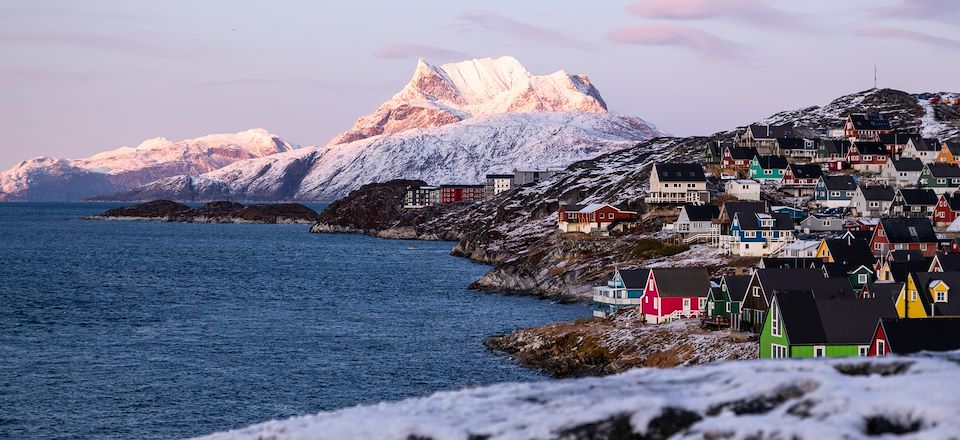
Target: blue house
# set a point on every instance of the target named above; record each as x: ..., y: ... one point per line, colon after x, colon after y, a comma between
x: 759, y: 234
x: 835, y: 191
x: 624, y: 290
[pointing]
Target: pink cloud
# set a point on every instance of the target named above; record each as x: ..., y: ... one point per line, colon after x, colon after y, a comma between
x: 752, y: 11
x: 403, y: 50
x: 489, y: 21
x: 906, y: 34
x: 706, y: 45
x: 921, y: 9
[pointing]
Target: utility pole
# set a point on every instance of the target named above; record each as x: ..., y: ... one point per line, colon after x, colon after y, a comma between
x: 874, y: 76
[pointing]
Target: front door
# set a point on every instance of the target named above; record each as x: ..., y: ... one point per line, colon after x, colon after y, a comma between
x: 686, y: 305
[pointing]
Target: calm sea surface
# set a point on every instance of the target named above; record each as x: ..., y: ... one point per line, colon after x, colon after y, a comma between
x: 167, y: 330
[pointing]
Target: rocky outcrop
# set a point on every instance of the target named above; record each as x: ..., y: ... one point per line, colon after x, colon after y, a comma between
x: 213, y: 212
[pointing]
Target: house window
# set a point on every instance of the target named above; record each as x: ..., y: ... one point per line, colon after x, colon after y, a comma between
x: 778, y: 351
x: 774, y: 323
x: 686, y: 303
x: 834, y: 193
x: 877, y: 246
x: 819, y: 351
x: 756, y: 291
x: 941, y: 181
x: 881, y: 347
x: 941, y: 297
x: 749, y: 234
x: 701, y: 302
x: 728, y: 307
x: 862, y: 278
x: 874, y: 204
x: 864, y: 350
x: 913, y: 296
x: 915, y: 208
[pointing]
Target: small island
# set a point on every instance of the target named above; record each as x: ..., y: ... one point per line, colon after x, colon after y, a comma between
x: 213, y: 212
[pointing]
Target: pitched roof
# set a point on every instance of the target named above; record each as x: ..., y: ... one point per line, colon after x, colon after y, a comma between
x: 681, y: 282
x: 949, y: 262
x: 680, y: 172
x: 634, y: 278
x: 751, y: 221
x: 702, y: 213
x: 905, y: 336
x: 925, y: 144
x: 897, y: 138
x: 839, y: 182
x: 871, y: 121
x: 773, y: 280
x: 919, y: 196
x: 908, y: 230
x: 838, y: 147
x: 770, y: 131
x: 850, y: 251
x: 740, y: 153
x: 806, y: 170
x: 899, y: 270
x: 875, y: 148
x: 791, y: 263
x: 907, y: 164
x: 737, y: 286
x: 586, y: 209
x: 884, y: 193
x: 772, y: 162
x: 952, y: 279
x: 900, y: 255
x: 812, y: 320
x: 885, y: 289
x: 791, y: 143
x: 953, y: 147
x: 953, y: 200
x: 732, y: 207
x: 944, y: 169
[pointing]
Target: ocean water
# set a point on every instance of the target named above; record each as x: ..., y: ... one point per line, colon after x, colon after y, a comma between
x: 165, y: 330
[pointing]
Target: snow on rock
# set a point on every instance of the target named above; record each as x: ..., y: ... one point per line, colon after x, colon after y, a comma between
x: 48, y: 179
x: 809, y: 399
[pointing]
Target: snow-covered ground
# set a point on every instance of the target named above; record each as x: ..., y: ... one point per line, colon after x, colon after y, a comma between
x: 784, y: 399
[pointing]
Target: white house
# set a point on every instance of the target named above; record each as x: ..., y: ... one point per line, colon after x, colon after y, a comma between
x: 678, y: 183
x: 497, y: 183
x: 743, y: 189
x: 800, y: 249
x: 902, y: 172
x: 924, y: 149
x: 872, y: 201
x: 697, y: 223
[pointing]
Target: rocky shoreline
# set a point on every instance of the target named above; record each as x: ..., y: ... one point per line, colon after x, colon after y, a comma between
x: 213, y: 212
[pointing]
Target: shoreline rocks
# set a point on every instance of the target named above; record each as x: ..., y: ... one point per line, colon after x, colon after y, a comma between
x: 213, y: 212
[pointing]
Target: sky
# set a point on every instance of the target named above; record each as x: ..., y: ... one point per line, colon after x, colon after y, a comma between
x: 80, y: 77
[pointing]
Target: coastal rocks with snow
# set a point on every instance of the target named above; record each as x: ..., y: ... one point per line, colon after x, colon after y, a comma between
x: 785, y: 399
x: 213, y: 212
x: 52, y: 179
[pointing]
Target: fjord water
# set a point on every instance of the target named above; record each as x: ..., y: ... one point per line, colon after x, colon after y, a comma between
x: 163, y: 330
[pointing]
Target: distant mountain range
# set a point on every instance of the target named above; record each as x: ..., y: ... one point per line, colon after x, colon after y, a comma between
x: 450, y: 123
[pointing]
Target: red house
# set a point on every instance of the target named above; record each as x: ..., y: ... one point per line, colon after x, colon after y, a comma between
x: 947, y: 209
x: 462, y: 193
x: 866, y: 127
x: 906, y: 234
x: 867, y: 156
x: 737, y: 159
x: 674, y: 293
x: 906, y: 336
x: 596, y: 217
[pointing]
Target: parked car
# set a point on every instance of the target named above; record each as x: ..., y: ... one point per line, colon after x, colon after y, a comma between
x: 725, y: 176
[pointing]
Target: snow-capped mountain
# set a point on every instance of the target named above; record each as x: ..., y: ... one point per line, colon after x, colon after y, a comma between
x: 441, y: 95
x: 51, y: 179
x: 449, y: 124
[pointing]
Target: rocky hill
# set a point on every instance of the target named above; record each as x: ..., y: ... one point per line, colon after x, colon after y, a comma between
x: 213, y: 212
x: 785, y: 399
x: 51, y: 179
x: 449, y: 124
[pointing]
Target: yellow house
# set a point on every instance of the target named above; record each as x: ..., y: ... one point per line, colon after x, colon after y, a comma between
x: 913, y: 305
x: 823, y: 251
x: 927, y: 294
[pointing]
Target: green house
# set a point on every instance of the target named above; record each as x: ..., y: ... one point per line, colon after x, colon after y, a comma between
x: 723, y: 301
x: 800, y: 325
x: 940, y: 177
x: 768, y: 169
x: 859, y: 276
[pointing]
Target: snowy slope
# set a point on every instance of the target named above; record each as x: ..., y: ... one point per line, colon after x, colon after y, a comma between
x: 49, y: 179
x: 441, y: 95
x: 812, y: 399
x: 461, y: 152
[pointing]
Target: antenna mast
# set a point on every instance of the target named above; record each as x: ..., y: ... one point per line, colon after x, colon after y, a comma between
x: 874, y: 76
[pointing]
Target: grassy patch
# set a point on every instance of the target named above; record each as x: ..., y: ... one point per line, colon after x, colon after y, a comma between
x: 649, y: 248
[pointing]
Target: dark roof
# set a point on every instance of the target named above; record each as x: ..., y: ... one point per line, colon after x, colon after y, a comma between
x: 885, y: 193
x: 907, y: 164
x: 838, y: 147
x: 838, y: 270
x: 737, y: 286
x: 925, y: 144
x: 875, y: 148
x: 905, y: 336
x: 897, y: 138
x: 954, y: 147
x: 862, y: 235
x: 770, y: 131
x: 944, y: 169
x: 885, y: 289
x: 919, y: 196
x: 680, y: 172
x: 949, y: 262
x: 949, y: 308
x: 573, y: 208
x: 772, y: 162
x: 702, y: 213
x: 953, y: 201
x: 791, y: 263
x: 773, y: 280
x: 900, y: 255
x: 732, y: 207
x: 839, y: 182
x: 751, y: 221
x: 798, y: 308
x: 681, y: 282
x: 740, y: 153
x: 806, y: 170
x: 872, y: 121
x: 899, y: 270
x: 850, y: 251
x: 791, y: 143
x: 461, y: 185
x: 634, y: 278
x: 908, y: 230
x: 499, y: 176
x: 812, y: 320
